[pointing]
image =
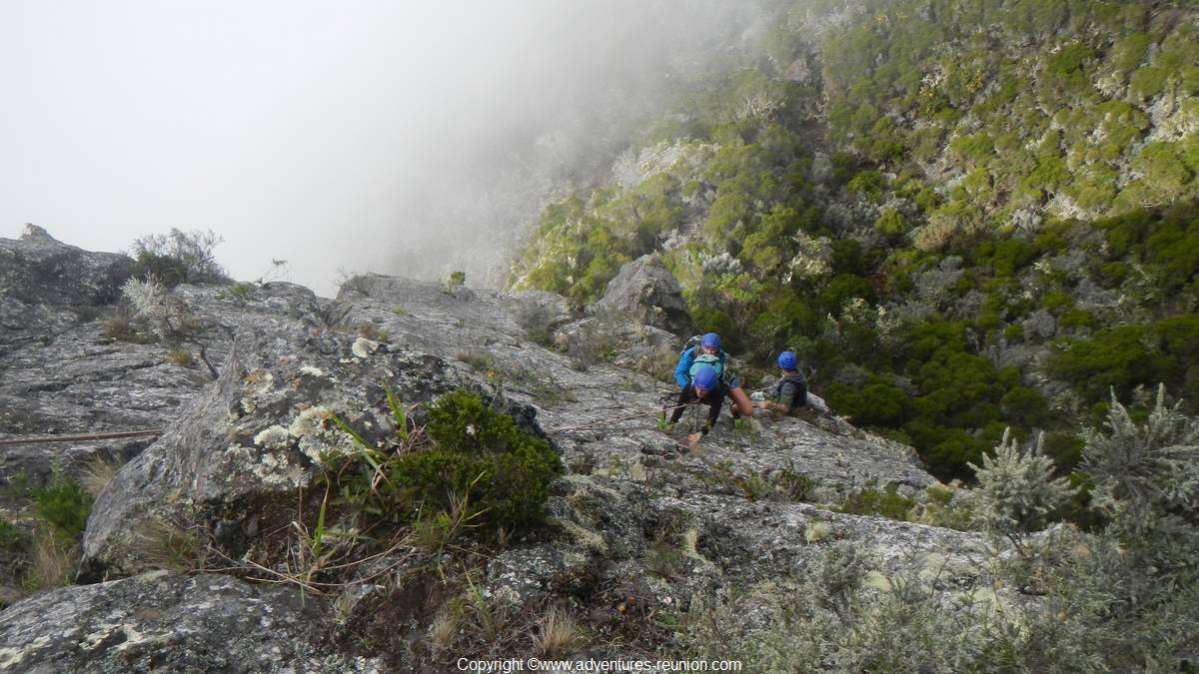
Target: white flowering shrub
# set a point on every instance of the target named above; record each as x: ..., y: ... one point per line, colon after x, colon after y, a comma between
x: 1146, y: 475
x: 154, y: 302
x: 1017, y: 492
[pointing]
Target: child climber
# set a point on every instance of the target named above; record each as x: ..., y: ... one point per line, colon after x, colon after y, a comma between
x: 791, y: 392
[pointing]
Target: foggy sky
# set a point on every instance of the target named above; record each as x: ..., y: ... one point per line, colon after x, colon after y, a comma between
x: 361, y: 135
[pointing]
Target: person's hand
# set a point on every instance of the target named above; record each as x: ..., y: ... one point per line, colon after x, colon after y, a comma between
x: 693, y: 439
x: 761, y: 404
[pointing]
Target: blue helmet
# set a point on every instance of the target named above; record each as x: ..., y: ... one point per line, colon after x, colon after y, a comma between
x: 710, y: 341
x: 705, y: 378
x: 787, y: 360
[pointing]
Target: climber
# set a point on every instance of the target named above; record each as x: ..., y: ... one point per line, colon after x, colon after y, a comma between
x: 708, y: 352
x: 791, y: 392
x: 705, y: 387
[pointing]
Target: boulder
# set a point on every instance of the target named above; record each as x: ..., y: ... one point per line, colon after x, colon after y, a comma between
x: 38, y: 269
x: 47, y: 286
x: 76, y: 378
x: 646, y: 292
x: 252, y: 439
x: 539, y: 313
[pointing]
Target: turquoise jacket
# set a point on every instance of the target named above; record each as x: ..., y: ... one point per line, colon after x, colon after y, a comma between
x: 682, y: 372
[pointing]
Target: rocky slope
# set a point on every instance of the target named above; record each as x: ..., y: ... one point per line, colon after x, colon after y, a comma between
x: 637, y: 526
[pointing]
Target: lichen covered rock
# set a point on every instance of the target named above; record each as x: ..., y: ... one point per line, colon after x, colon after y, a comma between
x: 167, y: 622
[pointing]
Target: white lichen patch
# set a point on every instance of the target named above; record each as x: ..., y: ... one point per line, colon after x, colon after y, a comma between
x: 310, y: 371
x: 317, y: 437
x: 102, y: 632
x: 275, y: 437
x: 275, y: 469
x: 11, y: 657
x: 257, y: 385
x: 364, y: 347
x: 270, y: 468
x: 582, y: 536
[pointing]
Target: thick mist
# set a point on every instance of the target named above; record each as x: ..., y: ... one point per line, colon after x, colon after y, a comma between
x: 404, y: 138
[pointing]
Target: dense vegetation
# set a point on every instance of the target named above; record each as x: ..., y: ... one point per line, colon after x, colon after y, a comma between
x: 467, y: 469
x: 990, y: 221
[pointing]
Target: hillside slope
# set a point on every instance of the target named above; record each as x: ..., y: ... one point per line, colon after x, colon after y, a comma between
x: 962, y: 215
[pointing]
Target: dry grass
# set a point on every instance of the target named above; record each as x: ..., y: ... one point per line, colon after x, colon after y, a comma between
x: 121, y: 326
x: 444, y: 630
x: 53, y: 563
x: 161, y: 545
x: 180, y: 356
x: 934, y: 236
x: 557, y: 634
x: 97, y: 473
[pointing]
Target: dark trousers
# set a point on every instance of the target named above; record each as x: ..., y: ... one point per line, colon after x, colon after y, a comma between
x: 714, y: 400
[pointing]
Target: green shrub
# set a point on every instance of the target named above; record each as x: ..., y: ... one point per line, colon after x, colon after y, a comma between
x: 12, y: 539
x: 887, y: 503
x: 482, y: 455
x: 168, y: 270
x: 949, y: 506
x: 1077, y: 318
x: 976, y: 149
x: 63, y: 503
x: 1124, y: 357
x: 891, y: 223
x: 1146, y: 475
x: 1114, y: 358
x: 241, y: 292
x: 877, y: 404
x: 868, y: 184
x: 1025, y: 406
x: 178, y: 257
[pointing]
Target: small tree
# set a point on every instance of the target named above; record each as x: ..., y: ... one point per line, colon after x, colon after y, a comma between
x: 1146, y: 476
x: 1017, y: 491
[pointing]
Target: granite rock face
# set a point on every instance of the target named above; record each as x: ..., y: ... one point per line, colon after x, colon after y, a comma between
x: 636, y: 514
x: 254, y: 437
x: 170, y: 623
x: 48, y: 288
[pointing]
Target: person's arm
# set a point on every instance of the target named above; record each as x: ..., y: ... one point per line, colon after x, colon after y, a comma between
x: 773, y: 406
x: 682, y: 372
x: 789, y: 399
x: 684, y: 398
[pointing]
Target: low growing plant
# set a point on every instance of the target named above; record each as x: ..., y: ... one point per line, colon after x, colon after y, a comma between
x: 885, y: 503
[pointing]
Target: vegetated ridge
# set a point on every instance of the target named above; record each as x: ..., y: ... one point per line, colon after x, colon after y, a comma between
x: 963, y: 216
